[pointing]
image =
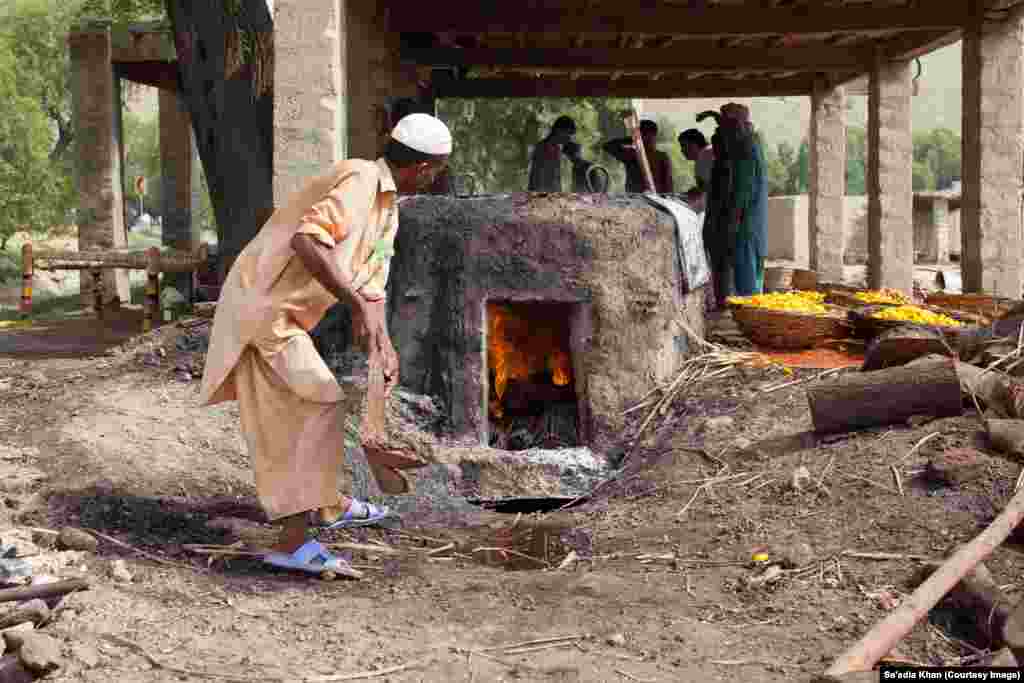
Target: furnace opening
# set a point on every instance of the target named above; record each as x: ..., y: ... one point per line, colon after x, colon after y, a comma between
x: 532, y: 401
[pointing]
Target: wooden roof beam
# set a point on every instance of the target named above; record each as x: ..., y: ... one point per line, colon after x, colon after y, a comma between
x: 651, y: 60
x: 497, y: 16
x: 627, y: 86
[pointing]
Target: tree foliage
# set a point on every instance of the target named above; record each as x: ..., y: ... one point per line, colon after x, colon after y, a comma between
x: 939, y: 152
x: 936, y: 163
x: 35, y: 173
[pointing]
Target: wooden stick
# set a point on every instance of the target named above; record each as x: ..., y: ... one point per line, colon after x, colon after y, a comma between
x: 364, y: 548
x: 442, y: 549
x: 169, y: 261
x: 881, y: 639
x: 917, y: 446
x: 509, y: 551
x: 366, y: 674
x: 43, y: 590
x: 869, y: 481
x: 885, y: 556
x: 537, y: 648
x: 143, y: 553
x: 151, y: 307
x: 632, y: 121
x: 897, y: 478
x: 192, y: 673
x: 537, y: 641
x: 27, y: 270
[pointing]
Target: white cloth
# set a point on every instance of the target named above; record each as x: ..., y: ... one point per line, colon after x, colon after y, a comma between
x: 693, y: 261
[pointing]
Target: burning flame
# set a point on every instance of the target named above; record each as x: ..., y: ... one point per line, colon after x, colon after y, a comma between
x: 519, y: 347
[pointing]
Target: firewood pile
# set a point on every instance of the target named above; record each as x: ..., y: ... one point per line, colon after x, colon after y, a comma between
x: 911, y: 373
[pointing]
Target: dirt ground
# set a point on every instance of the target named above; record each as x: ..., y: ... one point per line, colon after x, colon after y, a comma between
x: 115, y: 443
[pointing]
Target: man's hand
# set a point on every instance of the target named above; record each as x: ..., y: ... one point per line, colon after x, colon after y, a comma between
x: 370, y: 326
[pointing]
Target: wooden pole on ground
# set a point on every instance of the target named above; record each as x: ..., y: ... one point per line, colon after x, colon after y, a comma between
x: 27, y: 271
x: 880, y: 640
x: 151, y: 306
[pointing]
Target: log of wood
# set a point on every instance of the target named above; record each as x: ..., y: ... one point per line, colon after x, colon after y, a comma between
x: 1006, y: 436
x: 980, y: 602
x: 524, y: 397
x: 880, y: 640
x: 902, y: 345
x: 170, y: 261
x: 13, y: 671
x: 891, y: 396
x: 999, y: 393
x: 43, y: 590
x: 34, y: 611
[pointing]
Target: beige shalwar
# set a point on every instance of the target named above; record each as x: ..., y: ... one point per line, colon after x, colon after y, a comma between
x: 261, y: 353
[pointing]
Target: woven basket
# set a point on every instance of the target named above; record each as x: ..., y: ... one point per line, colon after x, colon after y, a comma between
x: 866, y: 327
x: 786, y: 329
x: 847, y: 299
x: 778, y: 279
x: 806, y: 280
x: 991, y: 307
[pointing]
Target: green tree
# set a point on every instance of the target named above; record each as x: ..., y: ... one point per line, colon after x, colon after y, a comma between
x: 856, y: 161
x: 496, y: 136
x: 142, y: 158
x: 31, y: 193
x: 802, y: 169
x: 779, y: 160
x: 938, y: 153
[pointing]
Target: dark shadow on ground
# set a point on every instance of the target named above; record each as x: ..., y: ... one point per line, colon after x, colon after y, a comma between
x: 72, y: 337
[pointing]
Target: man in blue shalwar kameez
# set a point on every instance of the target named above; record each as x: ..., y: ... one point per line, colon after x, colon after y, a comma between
x: 747, y: 205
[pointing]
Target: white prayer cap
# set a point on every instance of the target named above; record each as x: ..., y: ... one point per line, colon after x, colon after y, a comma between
x: 423, y: 133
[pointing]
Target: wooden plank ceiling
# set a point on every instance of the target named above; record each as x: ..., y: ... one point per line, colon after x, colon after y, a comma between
x: 669, y: 48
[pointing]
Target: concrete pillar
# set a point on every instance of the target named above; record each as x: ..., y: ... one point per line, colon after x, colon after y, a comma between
x: 176, y: 155
x: 309, y: 91
x: 890, y: 178
x: 375, y: 74
x: 940, y: 221
x: 993, y: 123
x: 95, y: 102
x: 827, y: 182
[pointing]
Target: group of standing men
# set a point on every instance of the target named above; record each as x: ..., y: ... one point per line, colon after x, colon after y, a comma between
x: 731, y: 187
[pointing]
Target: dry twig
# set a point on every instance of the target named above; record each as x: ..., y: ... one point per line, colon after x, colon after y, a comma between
x: 366, y: 674
x: 143, y: 553
x: 882, y: 557
x: 194, y: 673
x: 896, y: 478
x: 507, y: 551
x: 923, y: 441
x: 537, y: 641
x: 869, y: 481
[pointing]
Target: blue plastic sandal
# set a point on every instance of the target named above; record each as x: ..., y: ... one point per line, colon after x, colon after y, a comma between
x: 313, y: 558
x: 360, y: 514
